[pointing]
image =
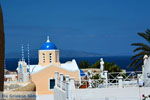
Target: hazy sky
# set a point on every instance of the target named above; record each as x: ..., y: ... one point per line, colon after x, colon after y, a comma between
x: 100, y: 26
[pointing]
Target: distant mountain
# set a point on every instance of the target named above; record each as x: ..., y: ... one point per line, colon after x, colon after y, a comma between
x: 73, y: 53
x: 63, y: 53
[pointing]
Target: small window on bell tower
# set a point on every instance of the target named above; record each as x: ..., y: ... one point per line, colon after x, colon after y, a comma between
x: 50, y: 57
x: 43, y: 60
x: 43, y: 57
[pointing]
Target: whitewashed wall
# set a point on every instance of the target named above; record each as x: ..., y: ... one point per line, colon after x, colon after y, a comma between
x: 130, y: 93
x: 146, y: 71
x: 66, y: 91
x: 59, y: 94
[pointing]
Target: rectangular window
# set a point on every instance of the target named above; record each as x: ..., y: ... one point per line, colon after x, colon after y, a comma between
x: 51, y: 83
x: 43, y: 60
x: 43, y: 55
x: 50, y: 58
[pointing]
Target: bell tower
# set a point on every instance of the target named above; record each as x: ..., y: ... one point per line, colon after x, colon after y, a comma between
x: 48, y: 53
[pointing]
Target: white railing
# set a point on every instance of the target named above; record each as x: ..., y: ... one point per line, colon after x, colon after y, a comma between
x: 120, y: 86
x: 115, y: 79
x: 128, y: 79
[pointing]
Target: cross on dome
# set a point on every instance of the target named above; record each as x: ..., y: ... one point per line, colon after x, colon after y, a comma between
x: 48, y: 45
x: 48, y: 39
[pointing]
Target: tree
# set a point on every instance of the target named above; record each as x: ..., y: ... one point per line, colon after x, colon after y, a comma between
x: 110, y: 67
x: 2, y: 53
x: 142, y: 49
x: 96, y: 64
x: 84, y: 64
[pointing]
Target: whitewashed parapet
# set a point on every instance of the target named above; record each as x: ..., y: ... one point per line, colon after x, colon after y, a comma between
x: 106, y: 78
x: 56, y: 75
x: 61, y: 80
x: 64, y: 86
x: 120, y: 81
x: 146, y: 71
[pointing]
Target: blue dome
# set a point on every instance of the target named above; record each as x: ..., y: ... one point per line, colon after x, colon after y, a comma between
x: 48, y: 46
x: 82, y: 73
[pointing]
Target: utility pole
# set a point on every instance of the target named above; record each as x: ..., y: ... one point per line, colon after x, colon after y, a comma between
x: 2, y: 51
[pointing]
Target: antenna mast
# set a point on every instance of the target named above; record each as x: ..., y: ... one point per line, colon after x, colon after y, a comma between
x: 28, y: 47
x: 22, y: 53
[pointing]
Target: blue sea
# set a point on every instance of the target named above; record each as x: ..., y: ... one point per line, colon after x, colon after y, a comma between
x: 122, y: 61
